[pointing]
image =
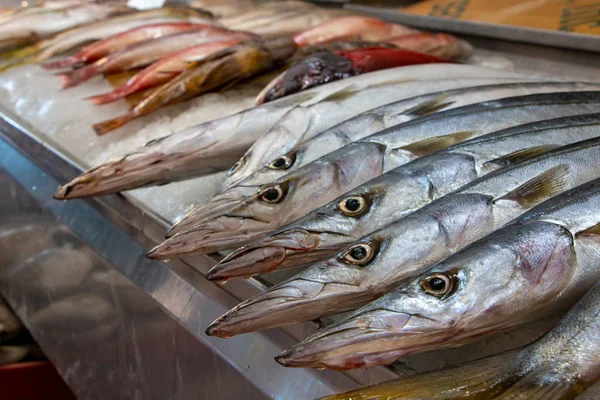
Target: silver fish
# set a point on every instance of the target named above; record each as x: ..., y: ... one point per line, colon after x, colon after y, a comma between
x: 560, y: 365
x: 398, y: 192
x: 215, y: 145
x: 523, y: 272
x: 290, y: 198
x: 357, y: 128
x: 372, y: 265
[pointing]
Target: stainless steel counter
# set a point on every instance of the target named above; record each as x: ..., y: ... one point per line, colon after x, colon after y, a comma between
x: 118, y: 325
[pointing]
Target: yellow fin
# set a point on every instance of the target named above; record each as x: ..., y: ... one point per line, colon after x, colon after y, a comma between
x: 539, y: 384
x: 428, y: 107
x: 482, y: 379
x: 431, y: 145
x: 544, y: 186
x: 520, y: 155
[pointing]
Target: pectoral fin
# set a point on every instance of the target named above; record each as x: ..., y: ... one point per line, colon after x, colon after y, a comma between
x: 428, y: 107
x: 431, y: 145
x: 544, y: 186
x: 520, y: 155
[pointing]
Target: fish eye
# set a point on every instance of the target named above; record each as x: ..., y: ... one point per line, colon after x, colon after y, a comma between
x: 271, y: 194
x: 235, y: 167
x: 283, y: 162
x: 438, y: 285
x: 359, y: 254
x: 353, y: 206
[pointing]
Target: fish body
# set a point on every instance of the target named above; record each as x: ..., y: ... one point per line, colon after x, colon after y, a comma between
x: 351, y: 28
x: 436, y: 44
x: 169, y: 67
x: 325, y: 67
x: 72, y: 38
x: 279, y: 203
x: 528, y: 270
x: 398, y: 192
x: 356, y: 128
x: 216, y: 145
x: 39, y: 25
x: 121, y: 40
x: 412, y: 235
x: 560, y: 365
x: 222, y: 68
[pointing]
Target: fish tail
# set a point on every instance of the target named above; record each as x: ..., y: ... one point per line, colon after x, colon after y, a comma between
x: 116, y: 94
x: 105, y: 127
x: 486, y: 378
x: 78, y: 76
x: 64, y: 63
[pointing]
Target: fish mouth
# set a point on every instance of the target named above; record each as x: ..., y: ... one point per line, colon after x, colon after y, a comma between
x: 291, y: 248
x: 297, y: 300
x: 372, y: 338
x: 218, y: 205
x: 221, y: 233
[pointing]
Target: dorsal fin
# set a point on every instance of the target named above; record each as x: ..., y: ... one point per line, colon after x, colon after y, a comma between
x: 544, y: 186
x: 427, y: 107
x: 520, y: 155
x: 431, y: 145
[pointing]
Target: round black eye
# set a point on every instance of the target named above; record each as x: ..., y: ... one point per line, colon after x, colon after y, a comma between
x: 438, y: 285
x: 353, y: 206
x: 271, y: 194
x: 235, y: 167
x: 359, y: 254
x: 283, y: 162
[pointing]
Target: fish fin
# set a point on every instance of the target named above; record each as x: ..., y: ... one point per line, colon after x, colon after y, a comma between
x: 592, y: 231
x: 105, y: 127
x: 78, y: 76
x: 485, y: 378
x: 544, y: 186
x: 19, y: 53
x: 539, y: 384
x: 431, y: 145
x: 341, y: 94
x: 428, y: 107
x: 520, y: 155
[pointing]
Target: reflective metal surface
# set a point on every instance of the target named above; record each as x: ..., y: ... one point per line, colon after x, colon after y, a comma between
x: 117, y: 325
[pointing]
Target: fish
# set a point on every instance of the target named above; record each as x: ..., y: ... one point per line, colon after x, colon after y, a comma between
x: 216, y: 145
x: 70, y: 39
x: 408, y: 239
x: 436, y: 44
x: 356, y: 128
x: 285, y: 200
x: 355, y: 95
x: 560, y: 365
x: 104, y: 47
x: 324, y: 67
x: 167, y: 68
x: 351, y: 28
x: 220, y: 69
x: 39, y: 25
x: 544, y: 260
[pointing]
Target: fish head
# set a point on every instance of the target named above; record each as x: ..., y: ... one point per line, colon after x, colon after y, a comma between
x: 315, y: 236
x: 444, y: 307
x: 274, y: 151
